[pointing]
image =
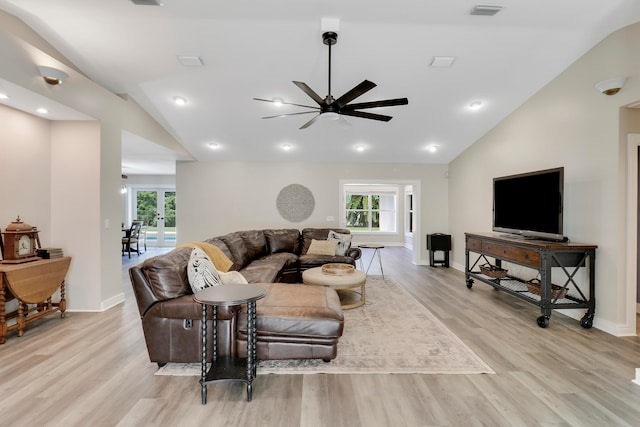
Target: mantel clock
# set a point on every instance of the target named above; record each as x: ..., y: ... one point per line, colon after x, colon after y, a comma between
x: 19, y: 242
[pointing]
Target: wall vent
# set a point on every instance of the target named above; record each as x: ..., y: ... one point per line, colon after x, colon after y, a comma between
x: 146, y: 2
x: 485, y: 9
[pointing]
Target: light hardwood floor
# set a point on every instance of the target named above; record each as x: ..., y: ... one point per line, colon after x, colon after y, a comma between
x: 91, y: 369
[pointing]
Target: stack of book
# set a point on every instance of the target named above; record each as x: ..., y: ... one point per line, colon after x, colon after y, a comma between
x: 48, y: 253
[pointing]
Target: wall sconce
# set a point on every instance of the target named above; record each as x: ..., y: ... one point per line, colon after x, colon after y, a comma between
x: 611, y: 86
x: 51, y: 75
x: 123, y: 190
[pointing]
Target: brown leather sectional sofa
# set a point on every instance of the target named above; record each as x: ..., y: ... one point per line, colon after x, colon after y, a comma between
x: 293, y: 321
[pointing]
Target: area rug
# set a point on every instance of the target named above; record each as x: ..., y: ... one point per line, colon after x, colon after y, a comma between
x: 391, y: 334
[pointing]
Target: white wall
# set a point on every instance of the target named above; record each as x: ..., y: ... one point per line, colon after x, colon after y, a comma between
x: 47, y: 198
x: 25, y: 170
x: 569, y: 124
x: 75, y: 208
x: 215, y: 198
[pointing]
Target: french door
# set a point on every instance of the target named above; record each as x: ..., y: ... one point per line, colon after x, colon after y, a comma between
x: 157, y: 208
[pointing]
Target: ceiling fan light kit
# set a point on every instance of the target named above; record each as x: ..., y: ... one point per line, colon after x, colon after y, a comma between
x: 331, y: 108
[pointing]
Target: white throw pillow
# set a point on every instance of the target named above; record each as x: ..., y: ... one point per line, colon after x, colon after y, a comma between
x: 233, y: 277
x: 322, y: 247
x: 201, y: 272
x: 344, y: 242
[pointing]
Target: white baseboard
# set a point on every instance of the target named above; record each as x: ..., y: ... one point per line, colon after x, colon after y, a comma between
x: 112, y: 302
x: 637, y: 379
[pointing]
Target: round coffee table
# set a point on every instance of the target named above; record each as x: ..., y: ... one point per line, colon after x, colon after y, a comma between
x: 344, y: 284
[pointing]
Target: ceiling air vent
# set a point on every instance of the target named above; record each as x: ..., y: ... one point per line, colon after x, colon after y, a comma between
x: 146, y: 2
x: 485, y: 9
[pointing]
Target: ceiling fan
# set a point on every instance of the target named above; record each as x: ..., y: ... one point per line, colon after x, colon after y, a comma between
x: 332, y: 108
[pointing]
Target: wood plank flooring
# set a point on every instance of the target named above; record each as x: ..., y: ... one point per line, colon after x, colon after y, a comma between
x: 91, y: 369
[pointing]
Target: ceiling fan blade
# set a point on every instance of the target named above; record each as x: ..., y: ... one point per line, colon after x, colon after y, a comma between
x: 310, y: 122
x: 291, y: 114
x: 361, y: 89
x: 375, y: 104
x: 284, y: 103
x: 306, y: 89
x: 365, y: 115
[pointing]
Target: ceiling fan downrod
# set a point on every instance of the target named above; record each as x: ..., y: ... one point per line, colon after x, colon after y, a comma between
x: 329, y: 38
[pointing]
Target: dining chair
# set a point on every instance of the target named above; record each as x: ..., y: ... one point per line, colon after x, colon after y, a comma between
x: 132, y: 238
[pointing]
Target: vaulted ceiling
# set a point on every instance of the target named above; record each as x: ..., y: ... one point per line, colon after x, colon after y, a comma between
x: 253, y: 49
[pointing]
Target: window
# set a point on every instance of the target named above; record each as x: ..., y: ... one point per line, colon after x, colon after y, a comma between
x: 369, y: 209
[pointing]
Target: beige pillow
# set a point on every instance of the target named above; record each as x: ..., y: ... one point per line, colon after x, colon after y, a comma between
x: 233, y: 277
x: 322, y: 247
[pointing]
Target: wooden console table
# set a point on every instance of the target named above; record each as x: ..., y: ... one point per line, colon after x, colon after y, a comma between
x: 542, y: 256
x: 32, y: 283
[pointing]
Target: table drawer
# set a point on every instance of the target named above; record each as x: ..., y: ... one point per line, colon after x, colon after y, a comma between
x: 510, y: 253
x: 474, y: 244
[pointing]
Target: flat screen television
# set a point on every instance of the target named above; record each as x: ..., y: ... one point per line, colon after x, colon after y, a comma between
x: 530, y: 204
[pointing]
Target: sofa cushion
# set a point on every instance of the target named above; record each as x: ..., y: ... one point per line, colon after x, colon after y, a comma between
x: 237, y: 247
x: 322, y: 247
x: 255, y: 242
x: 201, y: 272
x: 283, y: 240
x: 259, y: 272
x: 167, y: 274
x: 344, y: 242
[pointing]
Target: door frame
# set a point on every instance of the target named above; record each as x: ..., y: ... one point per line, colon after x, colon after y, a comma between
x: 633, y: 147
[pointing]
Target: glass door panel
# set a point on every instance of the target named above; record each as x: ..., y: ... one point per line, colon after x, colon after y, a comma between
x: 157, y: 208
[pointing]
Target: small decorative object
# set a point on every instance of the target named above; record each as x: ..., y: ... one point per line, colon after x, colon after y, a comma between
x: 295, y: 203
x: 493, y: 271
x: 19, y: 243
x: 558, y: 292
x: 338, y: 269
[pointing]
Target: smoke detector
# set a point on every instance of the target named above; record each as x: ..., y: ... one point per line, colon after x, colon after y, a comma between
x: 485, y: 9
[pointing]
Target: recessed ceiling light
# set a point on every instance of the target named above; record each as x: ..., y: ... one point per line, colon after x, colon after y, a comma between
x: 179, y: 100
x: 442, y: 61
x: 286, y: 147
x: 277, y: 102
x: 4, y: 96
x: 360, y: 148
x: 213, y: 145
x: 432, y: 148
x: 475, y: 105
x: 42, y: 110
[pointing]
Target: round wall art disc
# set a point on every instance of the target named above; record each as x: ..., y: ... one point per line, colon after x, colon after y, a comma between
x: 295, y: 203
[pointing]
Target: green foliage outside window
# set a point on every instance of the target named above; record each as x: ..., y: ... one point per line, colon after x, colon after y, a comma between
x: 363, y: 212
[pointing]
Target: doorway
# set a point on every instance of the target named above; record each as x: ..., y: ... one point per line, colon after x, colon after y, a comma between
x: 157, y: 208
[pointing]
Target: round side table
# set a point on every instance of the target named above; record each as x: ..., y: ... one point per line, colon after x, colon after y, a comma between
x: 376, y: 251
x: 228, y: 368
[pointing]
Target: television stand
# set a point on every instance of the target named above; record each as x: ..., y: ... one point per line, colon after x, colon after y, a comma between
x: 542, y: 256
